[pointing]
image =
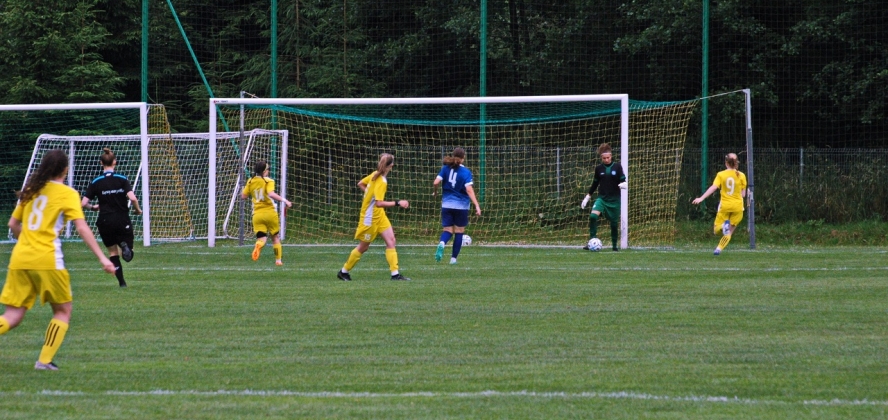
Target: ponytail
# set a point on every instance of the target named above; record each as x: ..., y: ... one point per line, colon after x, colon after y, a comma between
x: 456, y: 158
x: 52, y: 165
x: 259, y: 168
x: 733, y: 162
x: 107, y: 157
x: 385, y: 160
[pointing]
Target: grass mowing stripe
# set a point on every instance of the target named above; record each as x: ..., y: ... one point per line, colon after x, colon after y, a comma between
x: 746, y: 335
x: 482, y: 394
x: 422, y: 395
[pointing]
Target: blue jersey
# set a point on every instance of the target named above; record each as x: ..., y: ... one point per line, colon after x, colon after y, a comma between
x: 455, y: 181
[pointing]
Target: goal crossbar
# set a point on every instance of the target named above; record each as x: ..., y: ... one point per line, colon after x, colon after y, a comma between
x: 623, y: 99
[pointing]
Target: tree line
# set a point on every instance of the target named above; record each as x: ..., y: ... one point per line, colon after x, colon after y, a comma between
x: 818, y: 69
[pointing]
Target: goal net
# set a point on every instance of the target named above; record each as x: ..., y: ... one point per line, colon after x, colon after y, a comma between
x: 532, y: 159
x: 170, y: 181
x: 22, y: 125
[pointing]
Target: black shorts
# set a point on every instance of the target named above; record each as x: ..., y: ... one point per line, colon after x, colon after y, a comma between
x: 115, y: 228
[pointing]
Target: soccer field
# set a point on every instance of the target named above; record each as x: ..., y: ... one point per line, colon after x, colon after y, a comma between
x: 507, y: 333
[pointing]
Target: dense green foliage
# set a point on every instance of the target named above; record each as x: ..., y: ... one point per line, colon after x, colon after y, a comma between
x: 817, y: 68
x: 507, y: 333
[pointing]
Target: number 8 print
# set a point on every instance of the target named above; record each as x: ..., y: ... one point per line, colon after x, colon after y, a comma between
x: 35, y: 219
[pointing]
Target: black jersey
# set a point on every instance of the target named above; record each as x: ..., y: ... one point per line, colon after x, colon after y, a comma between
x: 607, y: 180
x: 111, y: 189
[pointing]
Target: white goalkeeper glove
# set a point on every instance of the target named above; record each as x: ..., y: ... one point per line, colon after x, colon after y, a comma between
x: 623, y: 185
x: 585, y: 201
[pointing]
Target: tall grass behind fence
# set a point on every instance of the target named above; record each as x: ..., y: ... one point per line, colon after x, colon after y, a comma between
x: 800, y: 185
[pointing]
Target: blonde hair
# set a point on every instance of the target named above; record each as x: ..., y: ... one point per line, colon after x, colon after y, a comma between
x: 385, y: 160
x: 733, y: 162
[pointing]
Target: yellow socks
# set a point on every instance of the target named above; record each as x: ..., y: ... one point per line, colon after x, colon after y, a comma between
x: 55, y: 334
x: 353, y: 259
x: 724, y: 241
x: 4, y: 325
x: 278, y: 252
x: 392, y: 257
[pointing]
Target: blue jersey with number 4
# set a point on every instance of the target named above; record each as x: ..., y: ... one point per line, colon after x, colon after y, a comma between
x: 455, y: 181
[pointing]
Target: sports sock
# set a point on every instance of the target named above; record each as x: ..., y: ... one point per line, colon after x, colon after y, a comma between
x: 392, y: 257
x: 4, y: 325
x: 353, y: 259
x: 278, y: 251
x: 445, y: 237
x: 724, y: 241
x: 55, y: 334
x: 593, y: 225
x: 457, y: 245
x: 118, y: 268
x: 615, y: 234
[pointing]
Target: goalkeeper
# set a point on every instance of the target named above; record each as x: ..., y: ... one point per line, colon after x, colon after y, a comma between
x: 609, y: 179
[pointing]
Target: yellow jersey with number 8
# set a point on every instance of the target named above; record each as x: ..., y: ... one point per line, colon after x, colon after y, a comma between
x: 39, y: 246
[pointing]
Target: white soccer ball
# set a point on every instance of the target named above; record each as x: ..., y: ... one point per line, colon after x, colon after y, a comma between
x: 594, y: 244
x: 467, y: 240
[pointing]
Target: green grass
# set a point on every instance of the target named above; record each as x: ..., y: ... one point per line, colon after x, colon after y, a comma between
x: 777, y: 332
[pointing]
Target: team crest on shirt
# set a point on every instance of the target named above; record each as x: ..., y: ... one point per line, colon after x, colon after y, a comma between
x: 614, y: 173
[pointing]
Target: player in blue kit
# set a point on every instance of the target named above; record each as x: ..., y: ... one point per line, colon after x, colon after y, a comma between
x: 457, y: 195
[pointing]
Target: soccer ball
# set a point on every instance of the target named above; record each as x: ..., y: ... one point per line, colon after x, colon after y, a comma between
x: 467, y: 240
x: 594, y: 244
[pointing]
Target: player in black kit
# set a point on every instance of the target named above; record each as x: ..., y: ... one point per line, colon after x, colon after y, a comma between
x: 115, y: 227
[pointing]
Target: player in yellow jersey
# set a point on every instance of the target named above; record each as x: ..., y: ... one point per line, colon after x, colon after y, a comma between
x: 373, y: 221
x: 732, y: 184
x: 37, y: 266
x: 260, y: 189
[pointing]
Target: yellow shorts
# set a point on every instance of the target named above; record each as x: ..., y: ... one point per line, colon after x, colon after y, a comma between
x: 23, y: 286
x: 267, y: 222
x: 366, y: 233
x: 734, y: 216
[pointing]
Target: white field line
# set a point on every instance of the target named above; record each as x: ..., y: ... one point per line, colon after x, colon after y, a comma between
x: 294, y: 267
x: 480, y: 394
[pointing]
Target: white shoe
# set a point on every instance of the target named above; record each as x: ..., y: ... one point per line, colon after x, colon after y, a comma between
x: 726, y: 227
x: 45, y: 366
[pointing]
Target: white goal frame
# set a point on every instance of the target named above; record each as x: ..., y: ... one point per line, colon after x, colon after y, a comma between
x: 143, y: 134
x: 624, y: 132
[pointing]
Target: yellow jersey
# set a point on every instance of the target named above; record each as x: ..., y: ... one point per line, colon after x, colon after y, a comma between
x: 258, y: 189
x: 731, y: 183
x: 39, y: 246
x: 374, y: 193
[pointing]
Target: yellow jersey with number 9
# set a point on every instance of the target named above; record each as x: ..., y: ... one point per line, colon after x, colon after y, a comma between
x: 258, y: 188
x: 38, y: 246
x: 731, y: 183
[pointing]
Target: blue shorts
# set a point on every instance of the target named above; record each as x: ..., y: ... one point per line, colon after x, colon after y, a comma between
x: 454, y: 217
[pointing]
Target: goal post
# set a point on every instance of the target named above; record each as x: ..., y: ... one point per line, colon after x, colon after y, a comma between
x: 532, y: 157
x: 21, y: 124
x: 177, y: 168
x: 168, y: 172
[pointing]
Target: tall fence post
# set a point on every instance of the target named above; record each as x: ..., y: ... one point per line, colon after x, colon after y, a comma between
x: 801, y: 166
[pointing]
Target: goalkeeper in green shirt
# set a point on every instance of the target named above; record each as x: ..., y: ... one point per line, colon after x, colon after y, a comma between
x: 609, y: 180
